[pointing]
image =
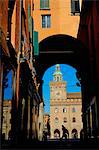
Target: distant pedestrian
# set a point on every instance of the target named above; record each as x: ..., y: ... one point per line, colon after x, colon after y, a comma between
x: 64, y: 135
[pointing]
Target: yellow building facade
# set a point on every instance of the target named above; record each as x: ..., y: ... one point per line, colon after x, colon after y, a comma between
x: 6, y: 126
x: 62, y: 17
x: 46, y: 119
x: 65, y: 109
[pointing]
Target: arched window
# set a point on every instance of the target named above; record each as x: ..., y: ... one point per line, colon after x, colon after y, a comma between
x: 56, y: 134
x: 56, y: 120
x: 74, y: 119
x: 57, y: 78
x: 74, y: 134
x: 64, y: 110
x: 56, y: 110
x: 65, y: 119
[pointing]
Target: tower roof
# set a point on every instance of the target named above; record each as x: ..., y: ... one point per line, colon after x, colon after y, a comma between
x: 57, y: 71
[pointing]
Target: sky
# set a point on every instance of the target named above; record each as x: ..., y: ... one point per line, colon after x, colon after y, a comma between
x: 8, y: 90
x: 69, y: 75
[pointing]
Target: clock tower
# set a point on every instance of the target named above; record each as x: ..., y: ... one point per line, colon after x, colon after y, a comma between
x: 57, y: 86
x: 58, y: 98
x: 65, y: 108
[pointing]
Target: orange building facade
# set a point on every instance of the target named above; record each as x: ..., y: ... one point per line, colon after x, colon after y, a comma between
x: 62, y: 19
x: 16, y: 47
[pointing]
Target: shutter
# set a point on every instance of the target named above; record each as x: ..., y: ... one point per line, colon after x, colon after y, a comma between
x: 77, y: 6
x: 35, y: 43
x: 29, y: 14
x: 44, y: 4
x: 30, y: 23
x: 30, y: 28
x: 41, y: 4
x: 47, y: 3
x: 72, y: 6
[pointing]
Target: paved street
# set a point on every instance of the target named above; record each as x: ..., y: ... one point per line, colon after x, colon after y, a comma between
x: 55, y: 144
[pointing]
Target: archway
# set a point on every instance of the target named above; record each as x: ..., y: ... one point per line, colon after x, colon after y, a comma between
x: 68, y: 75
x: 74, y: 134
x: 63, y: 49
x: 56, y: 134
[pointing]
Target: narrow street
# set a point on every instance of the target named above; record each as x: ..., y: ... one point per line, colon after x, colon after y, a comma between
x: 59, y: 38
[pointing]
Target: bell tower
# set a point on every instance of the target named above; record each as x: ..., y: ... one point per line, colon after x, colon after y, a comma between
x: 58, y: 96
x: 57, y: 86
x: 57, y: 76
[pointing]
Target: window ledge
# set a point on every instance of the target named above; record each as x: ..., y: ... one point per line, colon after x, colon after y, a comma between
x: 75, y: 13
x: 44, y: 8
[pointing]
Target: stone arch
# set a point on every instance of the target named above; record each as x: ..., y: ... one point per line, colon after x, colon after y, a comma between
x: 60, y: 49
x: 74, y: 133
x: 56, y: 133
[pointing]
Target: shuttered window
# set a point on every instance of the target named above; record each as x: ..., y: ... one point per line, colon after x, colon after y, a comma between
x: 44, y: 4
x: 75, y: 6
x: 30, y: 23
x: 35, y: 43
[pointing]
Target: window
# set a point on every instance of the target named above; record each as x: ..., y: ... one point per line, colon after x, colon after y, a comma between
x: 65, y: 119
x: 44, y: 4
x: 64, y: 110
x: 74, y: 119
x: 73, y: 109
x: 46, y: 21
x: 56, y: 120
x: 57, y: 78
x: 75, y: 7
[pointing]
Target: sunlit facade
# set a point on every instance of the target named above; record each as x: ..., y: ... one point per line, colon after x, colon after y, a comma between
x: 56, y: 17
x: 65, y: 108
x: 6, y: 126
